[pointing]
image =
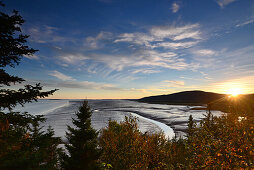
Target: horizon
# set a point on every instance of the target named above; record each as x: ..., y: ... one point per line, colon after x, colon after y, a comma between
x: 115, y: 49
x: 229, y: 95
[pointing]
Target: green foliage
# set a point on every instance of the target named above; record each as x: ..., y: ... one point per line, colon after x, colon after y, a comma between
x: 82, y: 146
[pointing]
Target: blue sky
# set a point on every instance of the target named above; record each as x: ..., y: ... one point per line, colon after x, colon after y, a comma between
x: 131, y: 49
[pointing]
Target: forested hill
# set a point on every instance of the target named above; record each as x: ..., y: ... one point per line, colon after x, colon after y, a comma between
x: 186, y: 97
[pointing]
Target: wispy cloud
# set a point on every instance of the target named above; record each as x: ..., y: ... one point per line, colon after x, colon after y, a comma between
x: 182, y: 37
x: 223, y: 3
x: 69, y: 82
x: 86, y: 85
x: 60, y: 76
x: 96, y: 42
x: 175, y: 7
x: 245, y: 23
x: 173, y: 83
x: 32, y: 57
x: 176, y: 45
x: 144, y: 52
x: 204, y: 52
x: 177, y: 32
x: 145, y: 71
x: 146, y: 58
x: 46, y: 34
x: 72, y: 58
x: 122, y: 77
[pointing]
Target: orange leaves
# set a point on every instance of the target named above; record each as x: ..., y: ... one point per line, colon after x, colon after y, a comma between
x: 219, y: 154
x: 226, y: 145
x: 218, y: 143
x: 125, y: 147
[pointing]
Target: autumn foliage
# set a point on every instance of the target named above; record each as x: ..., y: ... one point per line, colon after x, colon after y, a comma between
x: 125, y: 147
x: 225, y: 142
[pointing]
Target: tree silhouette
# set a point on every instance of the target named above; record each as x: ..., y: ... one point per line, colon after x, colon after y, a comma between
x: 82, y: 147
x: 12, y: 48
x: 23, y: 145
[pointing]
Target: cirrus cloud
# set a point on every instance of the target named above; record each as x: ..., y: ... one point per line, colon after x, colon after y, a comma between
x: 175, y: 7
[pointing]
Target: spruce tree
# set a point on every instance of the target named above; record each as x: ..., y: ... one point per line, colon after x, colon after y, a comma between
x: 191, y: 128
x: 12, y: 48
x: 23, y: 145
x: 82, y: 142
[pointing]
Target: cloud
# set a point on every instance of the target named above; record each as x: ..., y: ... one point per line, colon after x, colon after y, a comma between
x: 174, y: 37
x: 189, y: 31
x: 204, y: 52
x: 173, y: 83
x: 69, y: 82
x: 122, y: 77
x: 95, y: 42
x: 136, y: 38
x: 176, y: 45
x: 117, y: 62
x: 61, y: 76
x: 144, y: 52
x: 232, y: 63
x: 175, y: 7
x: 86, y: 85
x: 72, y: 58
x: 223, y: 3
x: 45, y: 34
x: 205, y: 62
x: 145, y: 71
x: 245, y: 23
x: 76, y: 84
x: 31, y: 57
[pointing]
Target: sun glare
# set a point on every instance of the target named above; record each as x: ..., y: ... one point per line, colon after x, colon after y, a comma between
x: 234, y: 92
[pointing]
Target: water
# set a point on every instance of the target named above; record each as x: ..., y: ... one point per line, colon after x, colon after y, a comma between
x: 170, y: 119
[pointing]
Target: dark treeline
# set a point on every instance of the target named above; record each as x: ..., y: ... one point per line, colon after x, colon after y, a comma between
x: 217, y: 142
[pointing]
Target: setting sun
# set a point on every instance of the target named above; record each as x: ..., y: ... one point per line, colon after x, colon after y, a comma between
x: 234, y: 91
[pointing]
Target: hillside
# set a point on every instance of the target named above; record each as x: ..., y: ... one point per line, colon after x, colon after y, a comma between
x: 222, y: 102
x: 186, y: 97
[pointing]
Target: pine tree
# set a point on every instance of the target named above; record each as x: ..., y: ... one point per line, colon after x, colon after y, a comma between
x: 12, y: 48
x: 82, y: 147
x: 23, y: 145
x: 191, y: 128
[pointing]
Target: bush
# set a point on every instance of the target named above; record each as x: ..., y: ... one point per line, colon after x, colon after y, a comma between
x: 125, y: 147
x: 219, y: 142
x: 224, y: 142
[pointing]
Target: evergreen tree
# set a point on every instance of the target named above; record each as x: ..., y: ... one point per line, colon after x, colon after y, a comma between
x: 82, y: 147
x: 22, y: 143
x: 12, y: 48
x: 191, y: 128
x: 24, y: 146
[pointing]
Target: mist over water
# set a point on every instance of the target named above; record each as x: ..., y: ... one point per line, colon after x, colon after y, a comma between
x: 170, y: 119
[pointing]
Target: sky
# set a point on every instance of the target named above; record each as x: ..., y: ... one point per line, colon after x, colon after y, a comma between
x: 128, y: 49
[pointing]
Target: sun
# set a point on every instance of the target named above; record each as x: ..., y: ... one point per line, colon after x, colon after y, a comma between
x: 234, y: 92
